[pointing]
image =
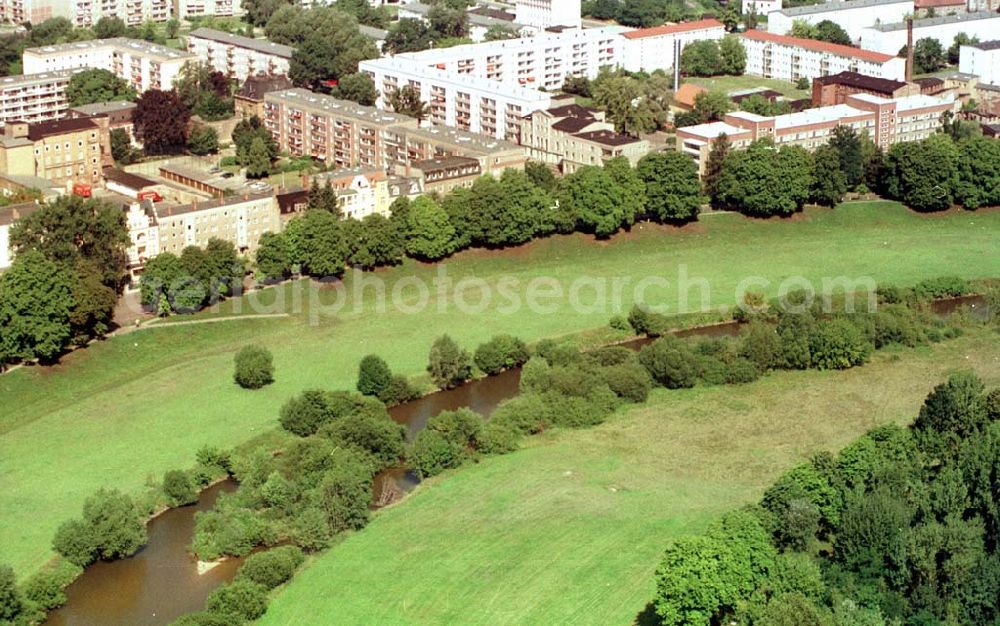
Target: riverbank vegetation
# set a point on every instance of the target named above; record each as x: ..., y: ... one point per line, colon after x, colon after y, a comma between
x: 622, y: 489
x: 900, y: 526
x: 121, y: 412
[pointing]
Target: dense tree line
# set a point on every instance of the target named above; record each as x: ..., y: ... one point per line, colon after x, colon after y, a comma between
x: 928, y: 175
x: 63, y: 285
x: 899, y: 527
x: 709, y: 57
x: 197, y: 278
x: 494, y: 212
x: 637, y: 13
x: 824, y: 30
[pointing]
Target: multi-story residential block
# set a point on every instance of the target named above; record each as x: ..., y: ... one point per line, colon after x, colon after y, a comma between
x: 851, y: 15
x: 361, y: 191
x: 546, y: 13
x: 236, y: 56
x: 85, y: 12
x: 835, y: 88
x: 71, y: 150
x: 983, y: 60
x: 479, y: 20
x: 571, y: 136
x: 488, y: 88
x: 886, y: 121
x: 144, y: 65
x: 119, y: 114
x: 890, y: 37
x: 791, y: 58
x: 347, y: 134
x: 184, y: 9
x: 649, y: 49
x: 34, y: 97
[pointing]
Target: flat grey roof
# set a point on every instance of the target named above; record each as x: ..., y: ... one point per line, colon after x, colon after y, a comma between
x: 134, y: 46
x: 259, y: 45
x: 827, y: 7
x: 938, y: 21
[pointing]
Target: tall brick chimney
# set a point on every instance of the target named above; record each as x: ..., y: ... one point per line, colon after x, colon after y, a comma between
x: 909, y: 49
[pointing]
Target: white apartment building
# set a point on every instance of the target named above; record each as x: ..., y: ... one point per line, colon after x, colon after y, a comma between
x: 489, y: 88
x: 887, y: 121
x: 545, y: 13
x: 649, y: 49
x: 239, y: 57
x: 983, y: 60
x: 184, y: 9
x: 34, y: 97
x: 770, y: 55
x: 132, y: 12
x: 853, y: 15
x: 145, y: 65
x: 891, y: 37
x: 760, y: 7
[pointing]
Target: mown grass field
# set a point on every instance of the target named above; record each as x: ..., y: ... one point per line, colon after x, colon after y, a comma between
x: 570, y: 529
x: 132, y: 407
x: 727, y: 84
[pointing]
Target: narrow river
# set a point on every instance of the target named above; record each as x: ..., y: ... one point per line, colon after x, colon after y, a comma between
x: 161, y: 582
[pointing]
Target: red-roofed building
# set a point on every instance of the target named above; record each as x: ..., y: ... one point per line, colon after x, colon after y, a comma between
x: 790, y: 58
x: 648, y: 49
x: 939, y: 5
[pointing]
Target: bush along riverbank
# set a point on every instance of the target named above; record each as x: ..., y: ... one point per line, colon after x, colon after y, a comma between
x: 900, y: 527
x: 319, y: 484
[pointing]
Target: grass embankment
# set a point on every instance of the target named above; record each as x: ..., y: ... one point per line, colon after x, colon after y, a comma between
x: 570, y: 530
x: 142, y: 403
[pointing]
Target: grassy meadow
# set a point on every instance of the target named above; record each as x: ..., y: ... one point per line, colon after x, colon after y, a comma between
x: 570, y: 529
x: 127, y: 409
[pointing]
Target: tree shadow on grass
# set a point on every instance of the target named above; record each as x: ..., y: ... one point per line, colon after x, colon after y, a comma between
x: 647, y: 617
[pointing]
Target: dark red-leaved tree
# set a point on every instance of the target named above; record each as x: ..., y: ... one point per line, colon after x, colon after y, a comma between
x: 161, y: 122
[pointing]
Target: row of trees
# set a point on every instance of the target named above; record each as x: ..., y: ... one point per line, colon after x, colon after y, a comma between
x: 709, y: 57
x: 494, y: 212
x: 899, y: 527
x: 62, y: 287
x: 197, y: 278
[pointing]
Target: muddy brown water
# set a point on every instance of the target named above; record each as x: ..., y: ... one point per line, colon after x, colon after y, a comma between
x: 161, y: 582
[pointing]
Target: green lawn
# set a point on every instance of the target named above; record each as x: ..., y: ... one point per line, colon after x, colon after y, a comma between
x: 137, y: 405
x: 736, y: 83
x: 570, y: 530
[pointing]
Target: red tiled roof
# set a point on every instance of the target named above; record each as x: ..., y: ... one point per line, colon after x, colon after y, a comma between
x: 667, y: 29
x: 819, y: 46
x: 927, y: 4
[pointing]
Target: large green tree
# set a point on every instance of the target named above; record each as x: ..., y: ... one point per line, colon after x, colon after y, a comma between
x: 673, y: 191
x: 850, y: 152
x: 448, y: 364
x: 36, y: 300
x: 161, y: 122
x: 829, y: 185
x: 923, y: 174
x: 97, y: 85
x: 597, y: 202
x: 430, y: 234
x: 763, y: 181
x: 978, y: 171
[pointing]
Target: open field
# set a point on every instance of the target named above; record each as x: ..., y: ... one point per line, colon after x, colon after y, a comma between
x: 137, y: 405
x: 736, y: 83
x: 570, y: 530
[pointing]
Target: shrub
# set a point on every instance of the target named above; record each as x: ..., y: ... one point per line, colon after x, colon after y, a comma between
x: 741, y: 371
x: 620, y: 323
x: 214, y: 457
x: 272, y: 568
x: 203, y: 618
x: 234, y: 532
x: 305, y: 413
x: 432, y: 453
x: 460, y: 427
x: 896, y: 324
x: 500, y: 353
x: 449, y: 365
x: 111, y: 528
x: 761, y: 344
x: 612, y: 355
x: 11, y: 603
x: 712, y: 370
x: 838, y: 344
x: 535, y: 375
x: 498, y: 438
x: 178, y: 488
x: 670, y: 363
x: 993, y: 404
x: 398, y: 391
x: 579, y: 411
x: 645, y: 322
x: 254, y: 367
x: 310, y: 531
x: 241, y: 600
x: 528, y: 413
x: 381, y: 437
x: 630, y: 381
x: 45, y: 588
x: 346, y: 491
x: 942, y: 287
x: 374, y: 376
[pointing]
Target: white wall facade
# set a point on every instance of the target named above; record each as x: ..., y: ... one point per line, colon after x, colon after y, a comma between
x: 145, y: 65
x: 852, y: 15
x: 239, y: 61
x: 770, y: 57
x: 889, y: 38
x: 545, y: 13
x: 188, y: 8
x: 650, y: 49
x: 982, y: 60
x: 6, y: 255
